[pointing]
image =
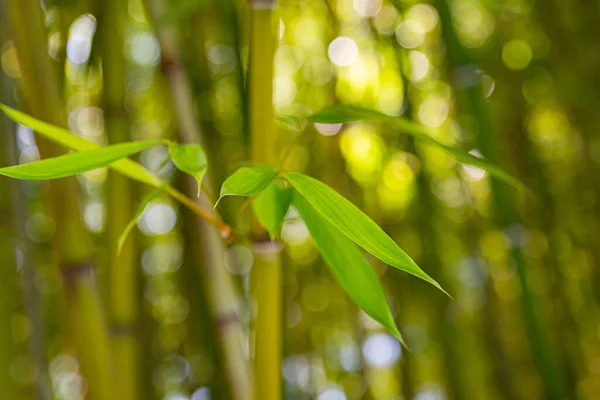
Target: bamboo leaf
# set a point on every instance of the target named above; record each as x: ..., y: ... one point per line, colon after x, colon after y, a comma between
x: 340, y: 113
x: 52, y: 132
x: 75, y: 163
x: 247, y: 181
x: 138, y: 213
x: 290, y: 122
x: 271, y: 206
x: 191, y: 159
x: 348, y: 265
x: 71, y: 141
x: 355, y: 224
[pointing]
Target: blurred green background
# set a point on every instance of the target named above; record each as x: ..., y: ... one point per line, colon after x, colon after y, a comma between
x: 516, y: 81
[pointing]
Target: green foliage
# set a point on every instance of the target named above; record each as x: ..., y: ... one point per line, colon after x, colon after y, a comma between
x: 348, y: 265
x: 67, y: 139
x: 340, y: 113
x: 355, y: 224
x: 147, y: 200
x: 270, y: 207
x: 54, y: 133
x: 248, y: 181
x: 75, y: 163
x: 191, y: 159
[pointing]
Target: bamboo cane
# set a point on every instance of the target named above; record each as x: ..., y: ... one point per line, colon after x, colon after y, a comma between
x: 217, y: 284
x: 122, y: 267
x: 7, y: 275
x: 504, y: 208
x: 266, y: 270
x: 73, y: 247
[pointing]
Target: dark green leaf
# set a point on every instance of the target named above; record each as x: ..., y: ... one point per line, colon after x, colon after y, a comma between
x: 191, y: 159
x: 271, y: 206
x: 355, y: 224
x: 147, y: 200
x: 248, y: 181
x: 75, y: 163
x: 346, y: 113
x: 348, y: 265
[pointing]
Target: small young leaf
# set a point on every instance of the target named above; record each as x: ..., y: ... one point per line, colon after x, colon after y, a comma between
x: 271, y: 206
x: 289, y: 122
x: 147, y: 200
x: 355, y: 224
x: 348, y: 265
x: 247, y: 181
x: 75, y: 163
x: 347, y: 113
x: 191, y: 159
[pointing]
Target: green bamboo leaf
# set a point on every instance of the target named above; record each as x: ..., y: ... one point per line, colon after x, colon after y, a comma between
x: 271, y: 206
x: 355, y: 224
x: 348, y: 265
x: 138, y: 213
x: 75, y: 163
x: 340, y: 113
x: 247, y: 181
x: 290, y: 122
x: 52, y: 132
x: 71, y: 141
x: 191, y: 159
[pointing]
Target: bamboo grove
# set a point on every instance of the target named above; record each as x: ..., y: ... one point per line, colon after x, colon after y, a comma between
x: 207, y: 199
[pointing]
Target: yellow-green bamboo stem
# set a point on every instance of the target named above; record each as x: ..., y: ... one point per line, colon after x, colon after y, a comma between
x: 217, y: 285
x: 266, y: 270
x: 42, y: 98
x: 8, y: 278
x: 88, y: 321
x: 122, y: 268
x: 266, y: 292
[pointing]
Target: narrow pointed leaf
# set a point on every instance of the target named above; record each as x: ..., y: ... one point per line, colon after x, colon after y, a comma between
x: 348, y: 265
x: 191, y: 159
x: 147, y: 200
x: 248, y: 181
x: 271, y: 206
x: 289, y: 122
x: 71, y: 141
x: 346, y: 113
x: 52, y: 132
x: 355, y: 224
x: 75, y: 163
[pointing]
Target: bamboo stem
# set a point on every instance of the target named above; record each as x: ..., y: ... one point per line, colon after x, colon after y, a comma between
x: 217, y: 285
x: 122, y: 266
x: 42, y: 98
x: 266, y: 270
x: 7, y: 275
x: 266, y: 292
x: 505, y: 213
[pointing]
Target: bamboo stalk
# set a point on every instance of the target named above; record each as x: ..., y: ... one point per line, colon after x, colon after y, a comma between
x: 73, y: 247
x: 266, y: 270
x: 217, y: 285
x: 122, y: 267
x: 472, y: 95
x: 7, y: 274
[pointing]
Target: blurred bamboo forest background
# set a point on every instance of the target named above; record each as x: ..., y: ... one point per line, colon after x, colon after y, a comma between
x: 517, y: 81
